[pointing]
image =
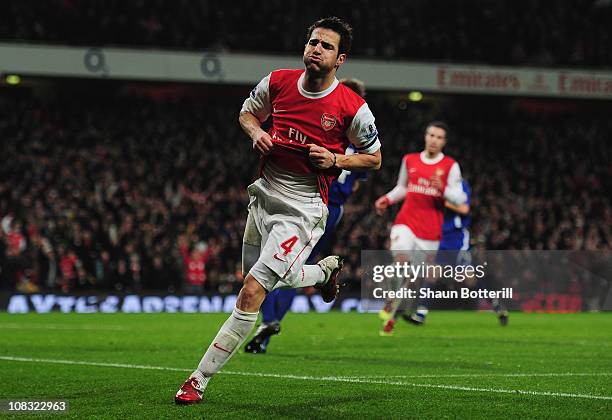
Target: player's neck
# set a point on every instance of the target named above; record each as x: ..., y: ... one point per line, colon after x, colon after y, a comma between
x: 317, y: 83
x: 430, y: 155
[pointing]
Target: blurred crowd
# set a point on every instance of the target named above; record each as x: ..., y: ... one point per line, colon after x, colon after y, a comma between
x: 536, y: 32
x: 133, y: 193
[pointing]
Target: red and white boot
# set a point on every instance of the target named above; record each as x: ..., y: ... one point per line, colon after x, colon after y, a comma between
x: 191, y: 391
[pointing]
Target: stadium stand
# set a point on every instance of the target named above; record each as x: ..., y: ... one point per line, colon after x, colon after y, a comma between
x: 101, y: 193
x: 535, y: 32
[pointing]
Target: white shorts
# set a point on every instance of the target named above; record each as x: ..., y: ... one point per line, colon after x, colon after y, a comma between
x: 403, y: 239
x: 287, y: 228
x: 405, y: 242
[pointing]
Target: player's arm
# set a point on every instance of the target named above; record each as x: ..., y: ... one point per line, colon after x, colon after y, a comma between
x: 397, y: 194
x: 324, y: 159
x: 454, y: 190
x: 363, y: 135
x: 255, y: 110
x: 359, y: 161
x: 462, y: 209
x: 262, y: 141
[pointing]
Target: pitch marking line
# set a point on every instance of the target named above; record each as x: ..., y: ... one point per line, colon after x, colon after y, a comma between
x: 316, y: 378
x: 483, y: 375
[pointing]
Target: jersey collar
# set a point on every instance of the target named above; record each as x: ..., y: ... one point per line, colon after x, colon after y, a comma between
x: 432, y: 161
x: 315, y: 95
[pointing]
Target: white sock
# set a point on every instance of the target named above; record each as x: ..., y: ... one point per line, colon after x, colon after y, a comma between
x: 228, y: 340
x: 311, y: 275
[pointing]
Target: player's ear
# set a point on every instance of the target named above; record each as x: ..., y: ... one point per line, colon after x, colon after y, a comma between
x: 341, y: 59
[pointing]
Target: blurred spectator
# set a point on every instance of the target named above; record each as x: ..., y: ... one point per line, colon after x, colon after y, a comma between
x: 538, y: 32
x: 194, y: 261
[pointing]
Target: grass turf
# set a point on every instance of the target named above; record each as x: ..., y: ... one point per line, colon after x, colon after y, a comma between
x: 326, y: 365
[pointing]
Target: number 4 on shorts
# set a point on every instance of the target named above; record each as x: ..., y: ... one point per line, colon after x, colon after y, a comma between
x: 288, y: 244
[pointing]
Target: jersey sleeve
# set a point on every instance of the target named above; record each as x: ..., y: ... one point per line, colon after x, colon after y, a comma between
x: 398, y: 193
x: 454, y: 190
x: 258, y: 102
x: 362, y: 133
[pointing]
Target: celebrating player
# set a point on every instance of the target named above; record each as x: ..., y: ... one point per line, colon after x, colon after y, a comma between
x: 425, y: 181
x: 314, y: 119
x: 278, y: 302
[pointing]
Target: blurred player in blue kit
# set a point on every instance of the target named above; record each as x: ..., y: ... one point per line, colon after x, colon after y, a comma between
x: 278, y: 302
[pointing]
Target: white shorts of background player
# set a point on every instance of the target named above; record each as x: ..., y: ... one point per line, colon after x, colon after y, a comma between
x: 407, y: 247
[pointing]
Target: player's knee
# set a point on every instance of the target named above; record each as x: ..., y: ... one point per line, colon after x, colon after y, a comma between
x: 251, y: 295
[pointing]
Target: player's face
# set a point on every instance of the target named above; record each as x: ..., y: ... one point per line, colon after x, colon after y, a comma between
x: 435, y: 139
x: 321, y: 51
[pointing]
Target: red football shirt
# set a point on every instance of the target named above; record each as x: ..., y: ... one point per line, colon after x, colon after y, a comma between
x: 331, y: 119
x: 423, y: 208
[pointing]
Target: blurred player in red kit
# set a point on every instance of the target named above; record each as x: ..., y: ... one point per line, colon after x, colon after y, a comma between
x: 425, y: 181
x: 314, y: 119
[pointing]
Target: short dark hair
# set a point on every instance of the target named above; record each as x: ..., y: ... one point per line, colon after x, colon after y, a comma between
x: 442, y: 125
x: 340, y: 27
x: 355, y: 85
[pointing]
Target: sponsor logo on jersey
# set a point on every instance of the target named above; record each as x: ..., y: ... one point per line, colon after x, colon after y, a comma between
x: 423, y: 189
x: 297, y: 135
x: 328, y: 121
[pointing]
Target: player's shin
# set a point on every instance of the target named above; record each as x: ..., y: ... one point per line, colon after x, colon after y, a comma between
x: 228, y: 340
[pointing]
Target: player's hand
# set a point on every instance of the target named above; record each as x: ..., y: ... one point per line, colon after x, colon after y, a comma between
x: 320, y: 157
x: 262, y: 142
x: 436, y: 182
x: 381, y: 205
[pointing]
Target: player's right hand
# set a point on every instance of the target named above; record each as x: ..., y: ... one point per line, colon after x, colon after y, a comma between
x: 262, y: 142
x: 381, y: 205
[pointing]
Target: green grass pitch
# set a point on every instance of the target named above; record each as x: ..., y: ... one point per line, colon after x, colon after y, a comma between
x: 460, y: 365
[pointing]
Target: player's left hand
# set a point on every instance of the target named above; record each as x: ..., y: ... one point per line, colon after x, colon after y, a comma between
x: 320, y: 157
x: 436, y: 182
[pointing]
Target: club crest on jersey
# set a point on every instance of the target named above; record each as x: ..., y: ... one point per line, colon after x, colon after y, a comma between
x: 328, y: 121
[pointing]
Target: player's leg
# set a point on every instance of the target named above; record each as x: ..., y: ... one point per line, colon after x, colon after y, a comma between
x: 291, y: 240
x: 330, y: 265
x: 251, y: 241
x: 270, y: 323
x: 268, y: 307
x: 335, y: 214
x: 283, y: 300
x: 242, y: 320
x: 426, y: 252
x: 418, y: 317
x: 227, y: 341
x: 422, y: 305
x: 498, y: 307
x: 400, y: 247
x: 407, y: 247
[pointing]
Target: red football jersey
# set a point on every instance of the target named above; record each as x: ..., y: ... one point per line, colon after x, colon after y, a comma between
x: 423, y: 208
x: 331, y: 119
